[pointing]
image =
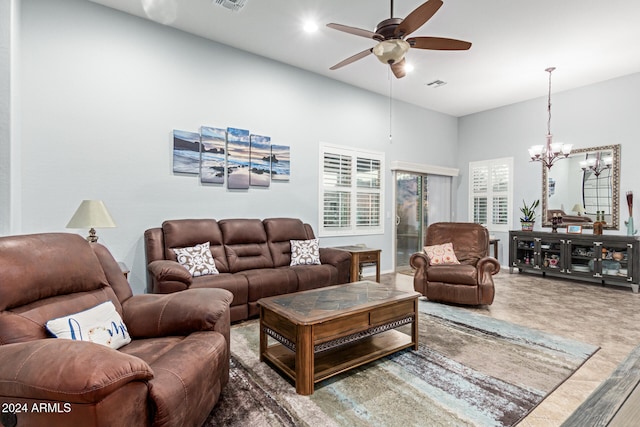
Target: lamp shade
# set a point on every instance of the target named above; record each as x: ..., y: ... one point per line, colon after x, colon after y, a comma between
x: 91, y: 214
x: 578, y: 208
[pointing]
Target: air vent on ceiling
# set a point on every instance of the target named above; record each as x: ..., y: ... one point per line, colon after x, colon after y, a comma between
x: 235, y: 5
x: 436, y: 83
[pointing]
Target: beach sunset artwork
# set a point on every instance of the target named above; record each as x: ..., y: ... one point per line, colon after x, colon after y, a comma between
x: 238, y: 158
x: 186, y: 152
x: 280, y: 162
x: 212, y: 155
x: 260, y: 175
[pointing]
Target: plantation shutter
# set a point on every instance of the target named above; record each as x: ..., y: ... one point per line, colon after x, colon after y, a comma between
x: 351, y: 191
x: 337, y: 197
x: 491, y: 188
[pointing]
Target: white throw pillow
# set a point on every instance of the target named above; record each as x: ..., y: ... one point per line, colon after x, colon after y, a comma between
x: 305, y: 252
x: 101, y: 325
x: 197, y: 259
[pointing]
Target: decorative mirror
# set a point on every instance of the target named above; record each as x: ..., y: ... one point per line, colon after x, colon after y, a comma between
x: 581, y: 185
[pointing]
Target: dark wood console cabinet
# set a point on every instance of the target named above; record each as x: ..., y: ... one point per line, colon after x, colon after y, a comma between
x: 605, y: 259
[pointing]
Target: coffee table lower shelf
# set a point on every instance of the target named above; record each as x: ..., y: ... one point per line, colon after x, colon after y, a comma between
x: 341, y: 359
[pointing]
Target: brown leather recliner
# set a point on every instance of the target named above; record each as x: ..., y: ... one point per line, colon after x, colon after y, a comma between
x: 170, y: 374
x: 469, y: 282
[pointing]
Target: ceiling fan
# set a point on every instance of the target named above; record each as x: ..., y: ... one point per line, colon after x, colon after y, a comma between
x: 391, y: 34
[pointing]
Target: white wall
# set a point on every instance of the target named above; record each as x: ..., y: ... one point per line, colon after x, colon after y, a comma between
x: 101, y: 92
x: 601, y: 114
x: 9, y: 115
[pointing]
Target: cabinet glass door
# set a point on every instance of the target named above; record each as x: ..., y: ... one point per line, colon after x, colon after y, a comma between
x: 525, y: 255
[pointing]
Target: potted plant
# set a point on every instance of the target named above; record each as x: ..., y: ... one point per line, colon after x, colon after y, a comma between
x: 528, y: 217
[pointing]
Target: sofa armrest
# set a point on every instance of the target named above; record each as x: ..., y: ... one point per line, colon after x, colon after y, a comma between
x: 64, y: 370
x: 167, y: 270
x: 487, y: 265
x: 419, y: 261
x: 180, y: 313
x: 334, y: 256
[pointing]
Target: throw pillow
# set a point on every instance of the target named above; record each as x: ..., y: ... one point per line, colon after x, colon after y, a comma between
x: 101, y: 325
x: 305, y: 252
x: 441, y: 254
x: 197, y: 259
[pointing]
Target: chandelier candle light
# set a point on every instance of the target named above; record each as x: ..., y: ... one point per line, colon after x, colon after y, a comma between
x: 551, y: 151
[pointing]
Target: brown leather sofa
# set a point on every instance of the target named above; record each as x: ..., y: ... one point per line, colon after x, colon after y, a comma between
x: 170, y: 374
x: 252, y: 256
x: 469, y: 282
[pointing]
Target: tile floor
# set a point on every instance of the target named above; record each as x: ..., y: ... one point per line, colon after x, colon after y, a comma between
x: 603, y: 316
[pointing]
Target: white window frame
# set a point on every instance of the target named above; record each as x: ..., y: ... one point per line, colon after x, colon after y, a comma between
x: 350, y: 227
x: 491, y: 194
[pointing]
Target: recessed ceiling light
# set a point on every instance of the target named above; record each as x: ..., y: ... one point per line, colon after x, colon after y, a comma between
x: 408, y: 67
x: 310, y: 27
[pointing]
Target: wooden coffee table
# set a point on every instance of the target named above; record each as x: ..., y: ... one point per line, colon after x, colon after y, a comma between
x: 323, y: 332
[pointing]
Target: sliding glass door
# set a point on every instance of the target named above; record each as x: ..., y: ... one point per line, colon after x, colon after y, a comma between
x: 420, y: 200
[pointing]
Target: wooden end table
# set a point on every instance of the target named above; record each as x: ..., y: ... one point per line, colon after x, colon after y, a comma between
x: 362, y: 255
x: 326, y: 331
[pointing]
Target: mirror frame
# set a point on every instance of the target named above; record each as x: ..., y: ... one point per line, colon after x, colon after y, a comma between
x: 615, y: 182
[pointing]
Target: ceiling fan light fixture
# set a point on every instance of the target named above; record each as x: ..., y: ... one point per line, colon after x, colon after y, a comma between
x: 391, y: 51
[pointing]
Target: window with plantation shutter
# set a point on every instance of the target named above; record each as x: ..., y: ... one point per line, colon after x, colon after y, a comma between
x: 491, y: 193
x: 351, y: 192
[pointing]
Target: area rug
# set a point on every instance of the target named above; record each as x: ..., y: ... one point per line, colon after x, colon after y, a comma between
x: 470, y: 370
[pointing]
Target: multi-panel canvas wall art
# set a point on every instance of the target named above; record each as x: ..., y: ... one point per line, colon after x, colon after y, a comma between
x: 280, y: 162
x: 260, y: 161
x: 238, y: 158
x: 186, y: 152
x: 233, y: 155
x: 212, y: 156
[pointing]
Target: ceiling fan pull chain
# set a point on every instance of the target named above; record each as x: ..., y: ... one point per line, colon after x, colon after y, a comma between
x: 390, y: 106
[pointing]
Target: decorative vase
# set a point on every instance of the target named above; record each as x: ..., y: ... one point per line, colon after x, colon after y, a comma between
x: 527, y: 225
x: 630, y: 230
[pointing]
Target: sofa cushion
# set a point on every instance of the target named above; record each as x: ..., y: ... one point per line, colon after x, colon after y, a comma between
x: 315, y: 276
x: 268, y: 282
x: 197, y: 259
x: 462, y: 274
x: 100, y: 325
x: 71, y: 266
x: 280, y: 231
x: 245, y: 242
x: 305, y: 252
x: 441, y: 254
x: 182, y: 233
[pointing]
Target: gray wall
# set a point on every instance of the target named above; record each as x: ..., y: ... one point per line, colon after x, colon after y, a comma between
x: 101, y: 92
x: 600, y: 114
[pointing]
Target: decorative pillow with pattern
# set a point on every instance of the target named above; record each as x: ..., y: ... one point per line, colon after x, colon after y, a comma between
x: 305, y: 252
x: 441, y: 254
x: 100, y: 324
x: 197, y: 259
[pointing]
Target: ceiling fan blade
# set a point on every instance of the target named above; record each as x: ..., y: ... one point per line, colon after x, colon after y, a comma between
x: 418, y: 17
x: 352, y: 30
x: 438, y: 43
x: 351, y: 59
x: 398, y: 69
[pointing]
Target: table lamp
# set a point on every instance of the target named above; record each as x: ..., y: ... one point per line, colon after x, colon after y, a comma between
x: 579, y: 209
x: 91, y: 214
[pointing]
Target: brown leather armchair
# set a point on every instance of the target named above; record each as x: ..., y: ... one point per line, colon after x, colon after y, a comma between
x: 170, y: 374
x: 469, y: 282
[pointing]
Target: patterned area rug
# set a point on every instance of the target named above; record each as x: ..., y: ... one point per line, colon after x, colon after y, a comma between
x: 470, y: 370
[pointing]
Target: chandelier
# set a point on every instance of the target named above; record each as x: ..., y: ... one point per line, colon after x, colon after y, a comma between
x: 596, y: 165
x: 549, y: 153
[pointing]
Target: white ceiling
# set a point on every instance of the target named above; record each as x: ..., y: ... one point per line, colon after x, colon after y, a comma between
x: 513, y: 42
